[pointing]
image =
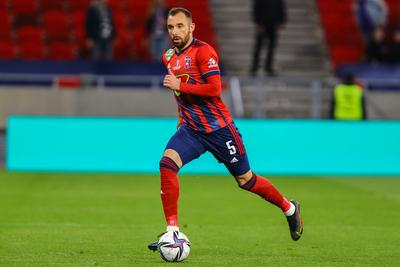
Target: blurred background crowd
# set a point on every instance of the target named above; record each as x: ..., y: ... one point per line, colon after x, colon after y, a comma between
x: 279, y: 58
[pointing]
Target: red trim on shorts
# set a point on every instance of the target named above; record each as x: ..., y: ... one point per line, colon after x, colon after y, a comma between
x: 237, y: 138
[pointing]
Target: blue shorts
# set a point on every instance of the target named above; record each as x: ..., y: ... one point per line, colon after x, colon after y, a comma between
x: 225, y: 144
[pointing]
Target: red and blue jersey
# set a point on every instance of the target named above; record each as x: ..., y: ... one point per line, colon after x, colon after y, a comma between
x: 199, y: 98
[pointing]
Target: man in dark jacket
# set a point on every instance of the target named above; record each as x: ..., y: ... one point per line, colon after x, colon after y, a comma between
x: 100, y: 30
x: 269, y: 17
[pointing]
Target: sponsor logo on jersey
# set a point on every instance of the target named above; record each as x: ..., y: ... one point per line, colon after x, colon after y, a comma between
x: 212, y: 63
x: 169, y: 54
x: 177, y: 65
x: 187, y: 62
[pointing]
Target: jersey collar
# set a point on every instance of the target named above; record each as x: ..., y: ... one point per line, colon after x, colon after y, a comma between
x: 180, y: 53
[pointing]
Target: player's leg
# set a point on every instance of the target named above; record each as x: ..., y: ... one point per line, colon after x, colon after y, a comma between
x: 182, y: 148
x: 227, y: 146
x: 259, y: 37
x: 269, y: 60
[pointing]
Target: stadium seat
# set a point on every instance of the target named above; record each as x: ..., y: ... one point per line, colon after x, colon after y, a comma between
x: 25, y: 11
x: 78, y: 18
x: 342, y: 33
x: 122, y: 47
x: 31, y: 51
x: 4, y: 5
x: 55, y: 24
x: 75, y: 5
x: 121, y: 20
x: 61, y: 51
x: 138, y: 11
x: 79, y: 39
x: 52, y: 5
x: 7, y: 50
x: 5, y: 26
x: 30, y: 34
x: 117, y: 5
x: 140, y: 46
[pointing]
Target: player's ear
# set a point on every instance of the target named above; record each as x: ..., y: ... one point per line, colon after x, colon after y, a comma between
x: 192, y: 26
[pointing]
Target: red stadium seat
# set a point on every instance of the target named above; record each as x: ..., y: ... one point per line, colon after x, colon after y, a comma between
x: 138, y: 11
x: 4, y: 5
x: 7, y: 50
x: 26, y: 11
x: 78, y: 18
x: 122, y: 47
x: 30, y: 34
x: 61, y: 51
x: 121, y: 20
x: 31, y: 51
x: 53, y: 5
x: 56, y: 26
x: 76, y: 5
x: 117, y: 5
x: 140, y: 45
x: 5, y: 26
x: 79, y: 39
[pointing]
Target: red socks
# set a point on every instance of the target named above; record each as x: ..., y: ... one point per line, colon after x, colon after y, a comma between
x: 265, y: 189
x: 169, y: 190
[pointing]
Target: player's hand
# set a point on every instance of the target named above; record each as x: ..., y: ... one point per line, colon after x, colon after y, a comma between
x: 171, y: 82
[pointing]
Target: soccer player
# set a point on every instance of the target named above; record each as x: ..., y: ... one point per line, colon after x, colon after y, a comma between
x: 205, y: 124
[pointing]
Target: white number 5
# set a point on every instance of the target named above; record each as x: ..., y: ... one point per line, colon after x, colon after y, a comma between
x: 232, y: 148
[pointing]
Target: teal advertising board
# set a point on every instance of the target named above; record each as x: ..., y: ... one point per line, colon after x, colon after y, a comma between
x: 135, y: 145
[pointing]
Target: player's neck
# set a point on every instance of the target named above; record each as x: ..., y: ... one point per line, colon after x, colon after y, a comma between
x: 186, y: 45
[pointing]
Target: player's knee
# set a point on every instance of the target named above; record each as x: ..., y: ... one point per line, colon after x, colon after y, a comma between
x: 247, y: 180
x: 168, y: 163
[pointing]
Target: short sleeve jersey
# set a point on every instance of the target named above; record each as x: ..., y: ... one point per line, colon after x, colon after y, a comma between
x: 194, y: 65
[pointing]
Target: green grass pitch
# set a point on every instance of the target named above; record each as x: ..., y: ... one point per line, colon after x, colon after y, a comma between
x: 107, y: 220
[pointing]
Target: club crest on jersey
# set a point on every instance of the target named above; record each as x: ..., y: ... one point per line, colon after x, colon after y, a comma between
x: 212, y: 63
x: 187, y: 62
x: 169, y: 54
x: 177, y: 65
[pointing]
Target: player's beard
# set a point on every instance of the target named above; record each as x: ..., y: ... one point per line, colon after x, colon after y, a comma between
x: 183, y: 41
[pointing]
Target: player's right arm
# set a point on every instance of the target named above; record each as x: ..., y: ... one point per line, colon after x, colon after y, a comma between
x: 207, y: 61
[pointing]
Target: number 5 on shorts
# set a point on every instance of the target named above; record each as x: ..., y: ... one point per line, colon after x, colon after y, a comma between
x: 232, y: 148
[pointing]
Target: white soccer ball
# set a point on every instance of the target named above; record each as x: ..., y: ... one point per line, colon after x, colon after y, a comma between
x: 174, y: 246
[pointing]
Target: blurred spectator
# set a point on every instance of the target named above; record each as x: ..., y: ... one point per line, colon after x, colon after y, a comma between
x: 376, y: 48
x: 100, y: 30
x: 157, y: 28
x: 371, y: 14
x: 394, y: 48
x: 348, y: 101
x: 269, y: 17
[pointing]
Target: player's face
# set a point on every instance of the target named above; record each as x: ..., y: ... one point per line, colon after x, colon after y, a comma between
x: 180, y: 30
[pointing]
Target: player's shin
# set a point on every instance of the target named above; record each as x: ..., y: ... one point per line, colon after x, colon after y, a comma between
x: 265, y: 189
x: 169, y: 190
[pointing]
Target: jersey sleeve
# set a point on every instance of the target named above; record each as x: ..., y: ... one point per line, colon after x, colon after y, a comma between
x: 207, y: 60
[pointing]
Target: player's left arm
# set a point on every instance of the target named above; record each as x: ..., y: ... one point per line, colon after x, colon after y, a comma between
x: 207, y: 61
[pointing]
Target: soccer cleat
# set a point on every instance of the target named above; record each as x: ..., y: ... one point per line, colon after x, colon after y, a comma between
x: 154, y: 245
x: 295, y: 222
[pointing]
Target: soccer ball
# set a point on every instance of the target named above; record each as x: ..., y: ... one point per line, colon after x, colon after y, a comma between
x: 174, y: 246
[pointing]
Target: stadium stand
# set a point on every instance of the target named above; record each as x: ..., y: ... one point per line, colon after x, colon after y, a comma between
x: 342, y: 32
x: 25, y: 11
x: 5, y: 26
x: 56, y: 26
x: 48, y: 21
x: 61, y: 51
x: 7, y: 50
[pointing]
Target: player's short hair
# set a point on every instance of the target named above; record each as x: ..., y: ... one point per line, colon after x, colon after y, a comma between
x: 176, y: 10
